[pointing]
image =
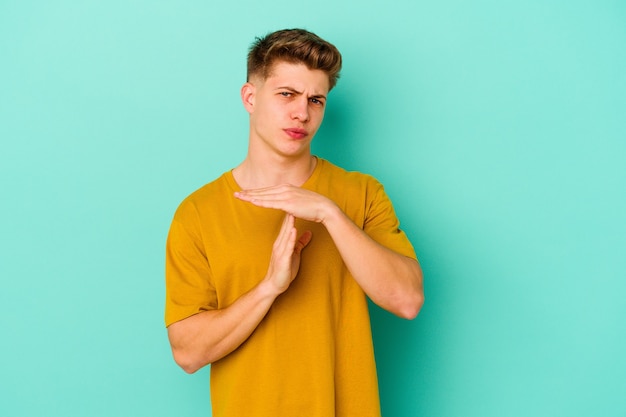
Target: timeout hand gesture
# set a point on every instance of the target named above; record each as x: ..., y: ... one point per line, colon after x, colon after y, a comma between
x: 300, y: 203
x: 285, y: 260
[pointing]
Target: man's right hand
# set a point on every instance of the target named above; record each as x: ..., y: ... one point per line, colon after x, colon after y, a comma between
x: 286, y: 254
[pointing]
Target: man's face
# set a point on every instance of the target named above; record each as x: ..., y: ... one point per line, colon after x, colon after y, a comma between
x: 286, y: 109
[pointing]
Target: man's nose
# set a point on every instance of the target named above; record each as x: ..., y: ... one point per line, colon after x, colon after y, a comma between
x: 300, y: 109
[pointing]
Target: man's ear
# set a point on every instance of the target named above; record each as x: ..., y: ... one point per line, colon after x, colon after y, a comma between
x: 247, y: 96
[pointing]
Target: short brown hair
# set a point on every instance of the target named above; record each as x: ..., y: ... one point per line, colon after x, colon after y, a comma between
x: 294, y: 46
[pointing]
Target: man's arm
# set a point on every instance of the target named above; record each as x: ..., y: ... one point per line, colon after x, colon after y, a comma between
x: 391, y: 280
x: 208, y: 336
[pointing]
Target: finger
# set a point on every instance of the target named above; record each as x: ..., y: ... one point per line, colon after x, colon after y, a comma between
x: 252, y: 197
x: 269, y: 197
x: 269, y: 190
x: 285, y: 226
x: 278, y: 189
x: 273, y: 203
x: 304, y: 240
x: 287, y: 246
x: 282, y: 243
x: 276, y: 200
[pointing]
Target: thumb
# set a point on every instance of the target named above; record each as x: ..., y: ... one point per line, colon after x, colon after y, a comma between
x: 302, y: 242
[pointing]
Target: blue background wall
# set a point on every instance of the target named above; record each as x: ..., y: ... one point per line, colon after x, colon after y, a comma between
x: 498, y: 129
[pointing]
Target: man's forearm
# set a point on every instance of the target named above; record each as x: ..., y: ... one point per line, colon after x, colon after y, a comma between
x: 391, y: 280
x: 208, y: 336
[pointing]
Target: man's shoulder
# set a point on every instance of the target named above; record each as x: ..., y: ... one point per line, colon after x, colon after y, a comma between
x: 209, y: 193
x: 337, y: 174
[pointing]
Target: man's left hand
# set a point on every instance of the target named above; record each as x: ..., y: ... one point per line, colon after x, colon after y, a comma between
x: 300, y: 203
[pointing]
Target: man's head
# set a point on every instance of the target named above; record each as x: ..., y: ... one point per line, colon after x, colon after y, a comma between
x: 295, y: 46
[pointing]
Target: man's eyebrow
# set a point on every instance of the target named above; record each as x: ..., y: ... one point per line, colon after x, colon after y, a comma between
x: 293, y: 90
x: 318, y: 96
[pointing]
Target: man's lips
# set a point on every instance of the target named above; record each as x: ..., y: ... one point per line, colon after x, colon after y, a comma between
x: 296, y: 133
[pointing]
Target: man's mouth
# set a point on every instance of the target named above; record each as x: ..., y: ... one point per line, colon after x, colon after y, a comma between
x: 296, y: 133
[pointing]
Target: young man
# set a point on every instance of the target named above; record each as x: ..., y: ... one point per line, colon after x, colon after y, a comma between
x: 268, y: 267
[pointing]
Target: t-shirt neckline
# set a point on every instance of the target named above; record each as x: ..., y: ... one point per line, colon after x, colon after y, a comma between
x: 308, y: 184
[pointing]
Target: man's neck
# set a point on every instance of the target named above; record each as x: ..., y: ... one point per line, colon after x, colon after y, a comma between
x: 255, y: 172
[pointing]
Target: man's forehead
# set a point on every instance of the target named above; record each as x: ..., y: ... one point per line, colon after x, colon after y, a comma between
x: 298, y: 76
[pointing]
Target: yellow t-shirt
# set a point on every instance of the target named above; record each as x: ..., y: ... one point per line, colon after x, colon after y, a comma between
x: 312, y: 355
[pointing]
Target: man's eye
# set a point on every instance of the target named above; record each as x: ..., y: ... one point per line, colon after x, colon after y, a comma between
x: 285, y: 94
x: 317, y: 101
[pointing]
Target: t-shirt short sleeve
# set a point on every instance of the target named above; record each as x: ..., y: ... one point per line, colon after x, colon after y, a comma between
x: 189, y: 285
x: 381, y: 222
